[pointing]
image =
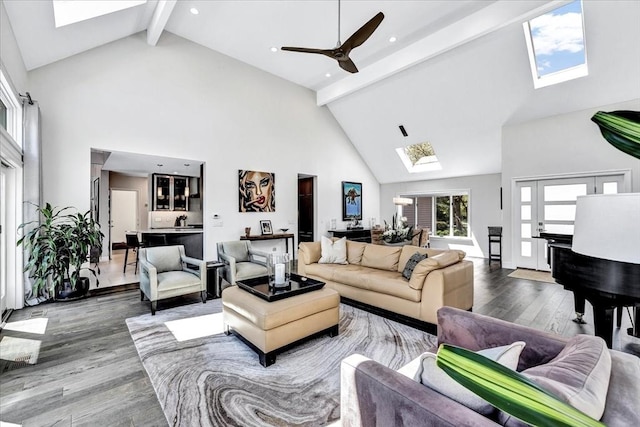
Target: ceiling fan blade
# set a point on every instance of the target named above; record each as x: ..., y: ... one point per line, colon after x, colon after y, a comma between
x: 326, y: 52
x: 348, y: 65
x: 363, y: 33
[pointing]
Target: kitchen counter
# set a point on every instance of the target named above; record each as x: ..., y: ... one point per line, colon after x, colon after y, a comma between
x: 172, y: 230
x: 190, y: 238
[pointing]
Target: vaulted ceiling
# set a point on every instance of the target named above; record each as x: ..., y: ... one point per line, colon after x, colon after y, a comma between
x: 457, y: 74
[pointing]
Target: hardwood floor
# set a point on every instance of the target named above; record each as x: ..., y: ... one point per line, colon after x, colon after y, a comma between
x: 88, y: 372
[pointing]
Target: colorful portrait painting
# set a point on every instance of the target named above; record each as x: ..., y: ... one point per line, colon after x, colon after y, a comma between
x: 351, y: 200
x: 257, y: 191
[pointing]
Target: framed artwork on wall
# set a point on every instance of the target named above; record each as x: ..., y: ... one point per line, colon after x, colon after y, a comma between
x: 351, y: 200
x: 257, y: 191
x: 265, y: 227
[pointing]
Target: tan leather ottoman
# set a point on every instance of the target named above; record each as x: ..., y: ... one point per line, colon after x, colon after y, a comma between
x: 267, y: 327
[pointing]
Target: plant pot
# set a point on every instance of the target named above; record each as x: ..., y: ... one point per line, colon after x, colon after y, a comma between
x: 65, y: 292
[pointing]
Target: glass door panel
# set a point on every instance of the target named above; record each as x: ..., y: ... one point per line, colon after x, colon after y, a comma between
x: 180, y: 193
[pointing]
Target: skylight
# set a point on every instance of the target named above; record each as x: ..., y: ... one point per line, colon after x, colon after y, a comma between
x: 556, y: 45
x: 419, y: 158
x: 67, y: 12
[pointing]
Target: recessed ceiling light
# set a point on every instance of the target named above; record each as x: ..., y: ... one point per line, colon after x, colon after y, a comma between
x: 194, y: 11
x: 392, y: 39
x: 274, y: 49
x: 328, y: 75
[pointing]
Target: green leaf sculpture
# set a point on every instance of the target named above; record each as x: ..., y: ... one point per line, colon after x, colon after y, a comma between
x: 509, y: 390
x: 621, y: 129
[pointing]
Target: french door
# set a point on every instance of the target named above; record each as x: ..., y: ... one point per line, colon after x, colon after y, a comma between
x: 3, y: 239
x: 550, y: 206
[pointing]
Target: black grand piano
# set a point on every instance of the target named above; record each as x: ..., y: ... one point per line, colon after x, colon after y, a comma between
x: 606, y: 284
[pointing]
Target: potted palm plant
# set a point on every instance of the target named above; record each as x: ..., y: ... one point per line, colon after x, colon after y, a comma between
x: 57, y: 247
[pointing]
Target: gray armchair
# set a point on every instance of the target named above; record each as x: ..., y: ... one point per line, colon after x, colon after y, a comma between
x: 165, y: 272
x: 241, y: 260
x: 374, y: 395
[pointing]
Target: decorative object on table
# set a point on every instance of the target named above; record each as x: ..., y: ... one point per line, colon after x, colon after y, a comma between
x: 181, y: 221
x: 57, y: 247
x: 265, y: 227
x: 278, y: 270
x: 508, y: 389
x: 397, y: 232
x: 247, y: 231
x: 284, y: 230
x: 333, y: 224
x: 621, y: 129
x: 353, y: 223
x: 351, y: 200
x: 257, y: 191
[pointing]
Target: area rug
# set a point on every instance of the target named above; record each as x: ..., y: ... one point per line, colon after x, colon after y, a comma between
x: 216, y: 380
x: 538, y: 276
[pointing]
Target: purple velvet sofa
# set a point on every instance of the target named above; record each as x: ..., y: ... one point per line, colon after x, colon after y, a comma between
x: 374, y: 395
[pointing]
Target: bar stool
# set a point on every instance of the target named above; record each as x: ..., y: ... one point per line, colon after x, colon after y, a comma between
x: 134, y: 244
x: 495, y: 236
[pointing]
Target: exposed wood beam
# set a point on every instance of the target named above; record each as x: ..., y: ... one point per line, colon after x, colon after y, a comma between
x: 491, y: 18
x: 159, y: 20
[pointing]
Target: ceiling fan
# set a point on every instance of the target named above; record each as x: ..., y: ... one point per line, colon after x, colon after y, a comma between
x: 341, y: 52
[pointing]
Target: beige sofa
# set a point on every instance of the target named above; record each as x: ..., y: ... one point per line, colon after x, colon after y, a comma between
x: 373, y: 276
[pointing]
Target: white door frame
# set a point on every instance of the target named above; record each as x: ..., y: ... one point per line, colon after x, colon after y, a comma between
x: 515, y: 199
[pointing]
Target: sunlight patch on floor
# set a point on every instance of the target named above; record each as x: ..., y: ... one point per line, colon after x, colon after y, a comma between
x: 20, y: 350
x: 196, y: 327
x: 32, y: 326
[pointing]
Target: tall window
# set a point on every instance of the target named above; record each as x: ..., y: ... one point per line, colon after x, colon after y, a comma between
x: 449, y: 213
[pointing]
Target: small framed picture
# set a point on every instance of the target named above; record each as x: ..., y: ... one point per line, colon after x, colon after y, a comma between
x: 265, y: 227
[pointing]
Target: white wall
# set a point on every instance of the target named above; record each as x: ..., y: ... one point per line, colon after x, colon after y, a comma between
x: 484, y: 207
x: 564, y: 144
x: 10, y: 57
x: 179, y: 99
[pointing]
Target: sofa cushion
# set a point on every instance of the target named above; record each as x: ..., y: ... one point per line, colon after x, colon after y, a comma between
x: 447, y: 258
x: 310, y: 252
x: 432, y: 376
x: 579, y: 376
x: 411, y: 264
x: 390, y: 283
x: 407, y: 252
x: 333, y: 252
x: 355, y: 251
x: 381, y: 257
x: 421, y: 271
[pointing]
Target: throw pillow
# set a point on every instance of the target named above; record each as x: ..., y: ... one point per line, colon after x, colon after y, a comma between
x: 333, y: 252
x: 411, y: 264
x: 435, y: 378
x: 578, y: 375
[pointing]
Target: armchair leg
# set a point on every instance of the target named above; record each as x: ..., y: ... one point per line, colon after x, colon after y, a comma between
x: 154, y: 305
x: 203, y: 295
x: 141, y: 296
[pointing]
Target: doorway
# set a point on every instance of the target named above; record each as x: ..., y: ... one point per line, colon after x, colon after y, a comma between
x: 306, y: 208
x: 549, y: 205
x: 124, y: 215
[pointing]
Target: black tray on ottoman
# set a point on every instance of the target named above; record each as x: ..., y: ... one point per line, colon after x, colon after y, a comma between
x: 259, y: 286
